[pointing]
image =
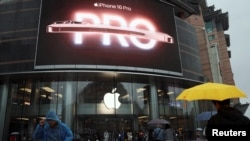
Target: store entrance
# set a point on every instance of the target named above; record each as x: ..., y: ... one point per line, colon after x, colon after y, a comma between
x: 104, y: 127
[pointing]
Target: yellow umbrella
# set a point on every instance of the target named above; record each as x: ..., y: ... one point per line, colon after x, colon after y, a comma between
x: 211, y: 91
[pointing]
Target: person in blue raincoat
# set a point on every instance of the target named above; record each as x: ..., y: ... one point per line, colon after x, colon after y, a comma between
x: 159, y: 134
x: 52, y: 129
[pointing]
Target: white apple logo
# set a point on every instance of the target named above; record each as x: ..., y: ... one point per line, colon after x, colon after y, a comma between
x: 111, y: 100
x: 95, y: 4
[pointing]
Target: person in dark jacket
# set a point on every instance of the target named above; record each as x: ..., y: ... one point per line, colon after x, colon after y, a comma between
x: 52, y: 129
x: 227, y: 122
x: 170, y: 133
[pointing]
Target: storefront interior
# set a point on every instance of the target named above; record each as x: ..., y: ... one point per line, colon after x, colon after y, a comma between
x: 91, y: 103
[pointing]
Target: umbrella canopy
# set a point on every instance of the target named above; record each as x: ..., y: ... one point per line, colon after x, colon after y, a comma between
x: 242, y: 107
x: 158, y: 121
x: 205, y: 115
x: 211, y: 91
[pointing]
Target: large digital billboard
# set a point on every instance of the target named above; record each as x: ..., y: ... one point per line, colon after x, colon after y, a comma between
x: 135, y: 35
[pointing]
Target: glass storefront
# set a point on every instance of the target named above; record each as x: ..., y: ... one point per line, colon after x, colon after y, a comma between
x: 92, y: 103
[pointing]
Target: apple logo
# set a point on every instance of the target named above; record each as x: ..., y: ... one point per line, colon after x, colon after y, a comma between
x: 111, y: 100
x: 95, y: 4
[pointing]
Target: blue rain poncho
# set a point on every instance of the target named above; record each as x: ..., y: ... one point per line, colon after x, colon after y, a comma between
x: 59, y: 133
x: 159, y: 134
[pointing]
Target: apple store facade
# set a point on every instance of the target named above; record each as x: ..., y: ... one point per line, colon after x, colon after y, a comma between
x: 100, y: 65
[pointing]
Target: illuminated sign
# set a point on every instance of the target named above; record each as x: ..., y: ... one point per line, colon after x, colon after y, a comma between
x: 139, y: 34
x: 111, y: 100
x: 106, y: 28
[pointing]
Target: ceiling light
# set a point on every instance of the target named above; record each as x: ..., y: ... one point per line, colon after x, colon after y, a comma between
x: 142, y: 117
x: 125, y: 96
x: 48, y: 89
x: 140, y: 90
x: 169, y: 93
x: 49, y: 97
x: 26, y: 103
x: 172, y: 117
x: 21, y: 118
x: 59, y: 95
x: 43, y: 95
x: 25, y: 89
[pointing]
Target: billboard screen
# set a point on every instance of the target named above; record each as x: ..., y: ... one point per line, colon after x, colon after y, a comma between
x: 120, y: 34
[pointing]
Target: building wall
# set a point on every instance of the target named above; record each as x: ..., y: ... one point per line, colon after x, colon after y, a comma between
x: 19, y: 32
x: 198, y: 23
x: 18, y: 40
x: 225, y: 66
x: 214, y: 56
x: 189, y: 50
x: 216, y: 23
x: 18, y: 35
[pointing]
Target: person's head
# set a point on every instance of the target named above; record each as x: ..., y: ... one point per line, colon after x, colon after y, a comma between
x: 52, y: 119
x: 167, y: 126
x: 52, y: 123
x: 223, y: 103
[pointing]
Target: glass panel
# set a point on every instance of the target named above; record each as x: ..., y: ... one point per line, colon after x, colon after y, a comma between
x: 141, y: 107
x: 66, y: 97
x: 48, y: 99
x: 209, y: 27
x: 141, y: 93
x: 85, y: 101
x: 211, y: 37
x: 93, y: 127
x: 93, y: 123
x: 126, y: 98
x: 3, y: 105
x: 80, y: 104
x: 20, y: 121
x: 163, y: 101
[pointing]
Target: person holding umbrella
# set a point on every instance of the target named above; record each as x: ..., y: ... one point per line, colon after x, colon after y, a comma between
x: 170, y: 133
x: 227, y: 119
x: 159, y: 134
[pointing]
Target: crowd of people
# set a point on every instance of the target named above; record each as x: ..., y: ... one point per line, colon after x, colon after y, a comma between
x: 226, y: 117
x: 52, y: 128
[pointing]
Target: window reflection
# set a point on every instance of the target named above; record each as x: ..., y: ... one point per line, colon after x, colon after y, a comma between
x: 21, y: 94
x: 49, y: 93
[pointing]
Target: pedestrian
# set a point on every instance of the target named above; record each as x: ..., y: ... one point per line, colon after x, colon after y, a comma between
x: 151, y: 135
x: 106, y: 135
x: 159, y: 134
x: 129, y: 135
x: 141, y: 136
x: 52, y: 129
x: 121, y: 135
x: 170, y: 133
x: 227, y: 119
